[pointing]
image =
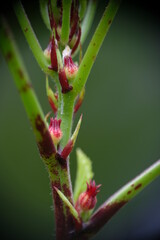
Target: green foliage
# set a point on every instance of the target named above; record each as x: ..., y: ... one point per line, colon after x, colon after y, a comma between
x: 84, y: 173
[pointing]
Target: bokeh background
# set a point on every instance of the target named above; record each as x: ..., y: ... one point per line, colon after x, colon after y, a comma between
x: 120, y: 130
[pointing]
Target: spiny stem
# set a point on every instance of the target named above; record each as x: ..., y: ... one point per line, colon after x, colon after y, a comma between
x: 120, y: 198
x: 94, y: 46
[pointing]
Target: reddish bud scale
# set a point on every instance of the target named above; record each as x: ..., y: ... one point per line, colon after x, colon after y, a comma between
x: 56, y: 95
x: 74, y: 26
x: 54, y: 108
x: 52, y: 20
x: 54, y: 62
x: 77, y: 42
x: 67, y: 149
x: 64, y: 82
x: 78, y: 103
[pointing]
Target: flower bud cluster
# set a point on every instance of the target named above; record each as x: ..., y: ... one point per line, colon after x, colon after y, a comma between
x: 65, y: 67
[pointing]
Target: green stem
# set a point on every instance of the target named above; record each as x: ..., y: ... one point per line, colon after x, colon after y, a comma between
x: 20, y: 75
x: 83, y: 6
x: 94, y: 46
x: 87, y: 21
x: 32, y: 39
x: 39, y: 125
x: 66, y: 6
x: 120, y: 198
x: 65, y: 113
x: 44, y: 12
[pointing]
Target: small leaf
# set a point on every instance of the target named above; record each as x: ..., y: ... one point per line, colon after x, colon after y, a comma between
x: 84, y: 173
x: 68, y: 204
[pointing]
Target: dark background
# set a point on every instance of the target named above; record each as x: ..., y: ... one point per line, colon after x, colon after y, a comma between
x: 120, y: 130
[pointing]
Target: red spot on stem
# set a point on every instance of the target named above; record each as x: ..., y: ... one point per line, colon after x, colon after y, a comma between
x: 20, y: 73
x: 9, y: 56
x: 26, y: 87
x: 129, y: 192
x: 138, y: 186
x: 109, y: 22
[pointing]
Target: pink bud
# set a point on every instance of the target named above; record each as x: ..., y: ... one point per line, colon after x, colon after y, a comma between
x: 70, y: 67
x: 87, y: 200
x: 55, y: 131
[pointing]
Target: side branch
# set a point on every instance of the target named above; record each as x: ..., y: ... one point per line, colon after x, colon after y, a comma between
x: 119, y: 199
x: 94, y: 46
x: 31, y: 38
x: 24, y: 86
x: 47, y: 150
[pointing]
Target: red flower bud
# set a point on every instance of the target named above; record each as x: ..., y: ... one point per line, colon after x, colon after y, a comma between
x: 55, y: 131
x: 87, y: 200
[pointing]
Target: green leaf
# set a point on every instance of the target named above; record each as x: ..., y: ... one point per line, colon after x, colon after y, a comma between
x: 68, y: 204
x: 84, y: 173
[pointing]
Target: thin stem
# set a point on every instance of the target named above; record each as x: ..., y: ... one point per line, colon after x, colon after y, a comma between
x: 20, y: 75
x: 44, y: 12
x: 32, y: 39
x: 120, y: 198
x: 94, y: 46
x: 87, y: 21
x: 83, y: 6
x: 66, y: 6
x: 64, y: 222
x: 66, y: 115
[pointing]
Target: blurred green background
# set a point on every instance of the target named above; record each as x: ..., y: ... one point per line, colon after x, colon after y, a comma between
x: 120, y: 130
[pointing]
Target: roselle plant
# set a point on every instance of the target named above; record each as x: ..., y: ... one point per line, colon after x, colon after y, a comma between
x: 68, y: 23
